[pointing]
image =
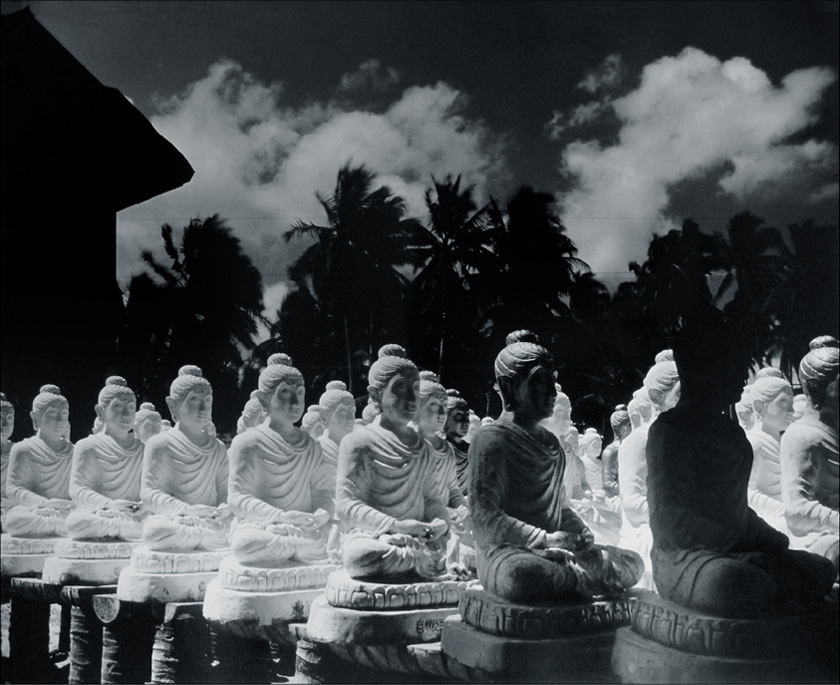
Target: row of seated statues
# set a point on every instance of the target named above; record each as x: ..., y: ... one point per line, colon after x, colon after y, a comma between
x: 411, y: 493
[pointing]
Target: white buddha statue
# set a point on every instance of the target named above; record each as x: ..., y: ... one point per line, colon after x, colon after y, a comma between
x: 7, y: 427
x: 107, y: 469
x: 252, y: 414
x: 336, y: 412
x: 147, y: 422
x: 279, y: 489
x: 185, y: 473
x: 38, y: 484
x: 771, y: 400
x: 311, y: 422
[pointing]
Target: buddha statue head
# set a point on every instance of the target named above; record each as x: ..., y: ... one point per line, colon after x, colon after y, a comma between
x: 800, y: 404
x: 664, y: 356
x: 393, y: 386
x: 522, y: 335
x: 147, y: 422
x: 561, y: 415
x: 190, y: 400
x: 7, y: 417
x: 487, y: 420
x: 818, y: 373
x: 744, y: 409
x: 620, y: 422
x: 51, y: 415
x: 311, y: 422
x: 772, y: 403
x: 251, y: 413
x: 115, y: 408
x: 591, y: 443
x: 642, y: 405
x: 431, y: 418
x: 281, y: 392
x: 525, y: 374
x: 279, y: 358
x: 165, y: 425
x: 572, y: 440
x: 369, y: 413
x: 337, y: 410
x: 457, y: 415
x: 769, y: 372
x: 475, y: 424
x: 663, y: 385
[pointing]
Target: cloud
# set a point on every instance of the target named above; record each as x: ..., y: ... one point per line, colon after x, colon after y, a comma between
x: 258, y: 161
x: 608, y: 75
x: 693, y: 115
x: 370, y: 75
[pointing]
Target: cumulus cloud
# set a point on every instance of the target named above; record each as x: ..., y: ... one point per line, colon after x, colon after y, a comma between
x: 258, y: 161
x: 371, y: 75
x: 693, y: 115
x: 608, y: 75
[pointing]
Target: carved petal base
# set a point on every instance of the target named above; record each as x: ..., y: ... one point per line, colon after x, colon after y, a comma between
x: 83, y: 571
x: 690, y: 630
x: 145, y: 560
x: 258, y: 615
x: 137, y: 586
x: 574, y: 659
x: 235, y: 576
x: 11, y: 544
x: 492, y: 615
x: 24, y: 556
x: 94, y: 549
x: 347, y: 592
x: 330, y: 624
x: 636, y: 659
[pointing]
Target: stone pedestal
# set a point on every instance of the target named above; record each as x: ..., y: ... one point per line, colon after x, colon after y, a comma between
x: 668, y: 643
x: 80, y: 562
x: 25, y: 556
x: 371, y: 625
x: 499, y: 641
x: 167, y: 576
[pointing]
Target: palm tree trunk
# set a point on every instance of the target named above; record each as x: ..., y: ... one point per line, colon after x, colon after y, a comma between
x: 349, y: 353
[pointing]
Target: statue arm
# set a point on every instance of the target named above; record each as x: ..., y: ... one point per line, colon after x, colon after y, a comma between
x: 632, y: 482
x: 570, y: 522
x: 17, y: 483
x: 349, y: 506
x: 670, y: 481
x: 488, y: 456
x: 242, y: 484
x: 322, y: 496
x: 803, y: 511
x: 433, y: 506
x: 156, y: 473
x: 609, y: 466
x: 81, y: 479
x: 222, y: 476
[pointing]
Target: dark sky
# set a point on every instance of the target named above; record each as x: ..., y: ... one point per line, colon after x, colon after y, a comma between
x: 510, y: 68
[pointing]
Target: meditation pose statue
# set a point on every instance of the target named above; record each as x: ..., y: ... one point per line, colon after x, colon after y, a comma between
x: 620, y: 423
x: 279, y: 488
x: 809, y: 458
x: 662, y: 389
x: 185, y: 473
x: 455, y: 429
x: 311, y: 422
x: 710, y: 550
x: 252, y: 414
x: 38, y: 484
x: 336, y: 411
x: 771, y: 401
x: 530, y: 546
x: 387, y: 495
x: 7, y: 427
x: 147, y: 422
x: 107, y: 468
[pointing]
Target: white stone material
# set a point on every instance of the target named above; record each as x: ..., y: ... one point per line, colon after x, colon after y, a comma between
x: 144, y: 560
x: 83, y: 571
x: 94, y: 549
x: 20, y: 564
x: 137, y: 586
x: 223, y: 604
x: 236, y: 576
x: 11, y: 544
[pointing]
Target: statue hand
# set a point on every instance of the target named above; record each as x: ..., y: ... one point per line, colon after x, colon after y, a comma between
x: 411, y: 527
x: 298, y: 518
x: 572, y: 542
x: 203, y: 511
x: 438, y: 528
x: 125, y: 506
x: 459, y: 515
x: 59, y: 504
x: 320, y: 517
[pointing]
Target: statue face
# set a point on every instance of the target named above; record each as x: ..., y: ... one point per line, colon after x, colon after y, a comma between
x: 457, y: 424
x: 670, y: 399
x: 119, y: 415
x: 286, y: 404
x: 830, y: 405
x: 400, y: 396
x: 432, y: 416
x: 778, y: 413
x: 562, y: 413
x: 342, y: 420
x: 593, y: 447
x: 196, y: 409
x: 54, y: 423
x: 535, y: 395
x: 147, y: 428
x: 7, y: 422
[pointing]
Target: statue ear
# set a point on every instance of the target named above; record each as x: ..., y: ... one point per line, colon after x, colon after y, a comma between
x: 262, y: 397
x: 173, y: 407
x: 375, y: 394
x: 36, y: 419
x: 814, y: 391
x: 759, y: 406
x: 656, y: 396
x: 508, y: 389
x: 100, y: 412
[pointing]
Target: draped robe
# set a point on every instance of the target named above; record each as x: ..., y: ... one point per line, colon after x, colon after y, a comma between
x: 518, y: 499
x: 635, y: 517
x: 810, y: 476
x: 382, y: 480
x: 765, y: 484
x: 104, y: 471
x: 269, y: 473
x: 178, y: 473
x: 5, y: 503
x: 37, y: 473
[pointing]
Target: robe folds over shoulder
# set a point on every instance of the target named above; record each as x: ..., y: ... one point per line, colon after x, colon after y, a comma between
x: 766, y: 474
x: 517, y: 493
x: 382, y: 480
x: 268, y: 472
x: 329, y: 451
x: 103, y: 471
x: 177, y: 473
x: 38, y: 473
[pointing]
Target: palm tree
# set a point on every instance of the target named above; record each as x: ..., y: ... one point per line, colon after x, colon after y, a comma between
x: 203, y: 310
x: 349, y: 270
x: 456, y: 247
